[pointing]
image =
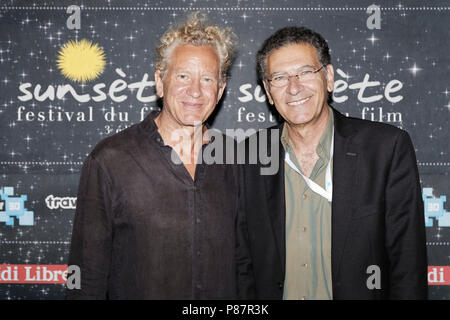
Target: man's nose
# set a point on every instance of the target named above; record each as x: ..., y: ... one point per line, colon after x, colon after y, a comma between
x: 294, y: 86
x: 194, y: 89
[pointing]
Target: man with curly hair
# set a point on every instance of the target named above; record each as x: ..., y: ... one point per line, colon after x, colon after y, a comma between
x: 153, y: 222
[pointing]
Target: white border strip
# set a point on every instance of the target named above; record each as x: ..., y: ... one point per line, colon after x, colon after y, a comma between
x: 438, y: 243
x: 34, y: 242
x: 398, y: 8
x: 433, y: 164
x: 53, y: 163
x: 40, y: 163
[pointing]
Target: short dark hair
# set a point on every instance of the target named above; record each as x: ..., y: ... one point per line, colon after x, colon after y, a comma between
x: 292, y: 35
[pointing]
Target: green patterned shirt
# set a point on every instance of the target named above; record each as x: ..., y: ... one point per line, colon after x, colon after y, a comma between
x: 308, y: 226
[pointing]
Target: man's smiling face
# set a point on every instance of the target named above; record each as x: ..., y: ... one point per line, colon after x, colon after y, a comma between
x: 300, y: 102
x: 191, y: 87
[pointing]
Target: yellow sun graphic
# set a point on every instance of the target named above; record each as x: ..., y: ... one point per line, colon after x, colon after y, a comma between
x: 81, y: 61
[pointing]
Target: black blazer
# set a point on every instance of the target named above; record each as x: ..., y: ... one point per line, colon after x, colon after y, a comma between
x: 377, y: 217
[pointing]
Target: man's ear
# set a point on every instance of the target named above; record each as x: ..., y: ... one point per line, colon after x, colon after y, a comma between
x: 266, y: 88
x: 221, y: 90
x: 330, y: 78
x: 159, y: 84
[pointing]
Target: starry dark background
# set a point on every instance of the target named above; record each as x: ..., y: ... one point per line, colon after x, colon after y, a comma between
x: 39, y: 158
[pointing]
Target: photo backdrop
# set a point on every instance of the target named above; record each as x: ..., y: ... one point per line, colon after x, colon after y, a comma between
x: 391, y: 65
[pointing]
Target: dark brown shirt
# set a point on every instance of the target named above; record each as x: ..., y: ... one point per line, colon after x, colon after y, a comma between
x: 144, y: 229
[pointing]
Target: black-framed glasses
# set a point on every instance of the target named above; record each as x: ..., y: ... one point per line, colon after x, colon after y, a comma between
x: 304, y: 74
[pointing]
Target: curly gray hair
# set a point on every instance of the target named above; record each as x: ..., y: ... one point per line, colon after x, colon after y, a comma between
x: 195, y: 31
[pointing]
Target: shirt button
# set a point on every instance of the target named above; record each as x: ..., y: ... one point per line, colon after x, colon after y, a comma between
x: 303, y: 298
x: 305, y: 196
x: 305, y: 265
x: 304, y: 229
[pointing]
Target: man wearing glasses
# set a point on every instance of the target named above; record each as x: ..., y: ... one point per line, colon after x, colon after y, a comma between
x: 343, y: 217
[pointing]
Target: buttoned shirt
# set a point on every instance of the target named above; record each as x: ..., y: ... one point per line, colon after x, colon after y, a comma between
x: 144, y: 229
x: 308, y: 225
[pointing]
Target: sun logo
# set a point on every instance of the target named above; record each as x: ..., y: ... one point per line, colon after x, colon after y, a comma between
x: 81, y: 61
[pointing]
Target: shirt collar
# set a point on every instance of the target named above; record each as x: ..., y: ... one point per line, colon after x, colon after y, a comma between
x: 151, y: 128
x: 324, y: 146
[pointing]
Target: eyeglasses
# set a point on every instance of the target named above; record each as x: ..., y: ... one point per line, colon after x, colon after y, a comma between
x: 303, y: 75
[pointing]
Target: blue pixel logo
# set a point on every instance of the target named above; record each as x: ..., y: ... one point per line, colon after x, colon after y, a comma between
x: 434, y: 208
x: 11, y: 207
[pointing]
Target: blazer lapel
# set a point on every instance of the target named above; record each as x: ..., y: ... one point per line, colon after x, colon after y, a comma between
x: 344, y: 174
x: 274, y: 185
